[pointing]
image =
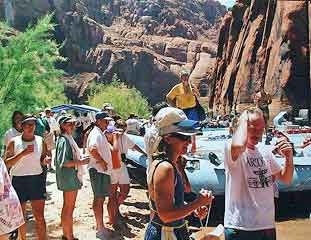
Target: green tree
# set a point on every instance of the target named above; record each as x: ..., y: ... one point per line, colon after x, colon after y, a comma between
x: 29, y: 80
x: 124, y: 100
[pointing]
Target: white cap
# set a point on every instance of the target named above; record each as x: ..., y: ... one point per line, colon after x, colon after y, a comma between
x: 174, y: 120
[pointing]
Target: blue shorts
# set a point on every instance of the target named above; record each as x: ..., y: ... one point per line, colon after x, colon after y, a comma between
x: 30, y: 188
x: 236, y: 234
x: 192, y: 114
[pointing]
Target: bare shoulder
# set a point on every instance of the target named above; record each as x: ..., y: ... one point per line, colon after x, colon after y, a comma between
x: 162, y: 165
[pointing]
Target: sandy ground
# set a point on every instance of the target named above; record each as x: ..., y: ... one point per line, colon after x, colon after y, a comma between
x: 136, y: 207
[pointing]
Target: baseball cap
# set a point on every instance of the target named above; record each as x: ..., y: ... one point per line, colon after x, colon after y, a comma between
x: 174, y: 120
x: 103, y: 115
x: 29, y: 118
x: 66, y: 119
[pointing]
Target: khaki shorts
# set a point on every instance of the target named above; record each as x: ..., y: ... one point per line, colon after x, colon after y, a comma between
x: 120, y: 176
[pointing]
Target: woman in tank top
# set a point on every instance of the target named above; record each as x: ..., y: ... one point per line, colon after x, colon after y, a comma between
x: 25, y: 155
x: 165, y: 181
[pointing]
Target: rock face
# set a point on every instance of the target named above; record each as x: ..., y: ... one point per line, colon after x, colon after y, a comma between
x: 263, y: 45
x: 145, y: 43
x: 182, y: 18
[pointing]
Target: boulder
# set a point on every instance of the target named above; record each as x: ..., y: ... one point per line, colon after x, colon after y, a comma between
x: 202, y: 69
x: 194, y: 47
x: 157, y: 46
x: 177, y: 49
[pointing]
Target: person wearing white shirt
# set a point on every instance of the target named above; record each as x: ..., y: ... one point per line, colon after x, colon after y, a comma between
x: 250, y: 173
x: 123, y: 180
x: 100, y: 169
x: 26, y: 155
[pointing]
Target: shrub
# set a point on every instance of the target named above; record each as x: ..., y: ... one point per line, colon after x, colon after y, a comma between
x: 124, y: 100
x: 29, y: 80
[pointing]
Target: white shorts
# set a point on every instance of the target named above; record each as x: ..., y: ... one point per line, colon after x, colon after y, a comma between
x: 120, y: 176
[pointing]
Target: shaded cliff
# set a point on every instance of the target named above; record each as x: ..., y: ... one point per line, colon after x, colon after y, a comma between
x: 145, y: 43
x: 263, y: 44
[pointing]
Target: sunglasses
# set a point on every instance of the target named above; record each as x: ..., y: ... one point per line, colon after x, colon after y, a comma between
x: 181, y: 137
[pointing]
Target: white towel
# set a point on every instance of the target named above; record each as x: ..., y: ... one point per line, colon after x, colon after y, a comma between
x: 76, y: 156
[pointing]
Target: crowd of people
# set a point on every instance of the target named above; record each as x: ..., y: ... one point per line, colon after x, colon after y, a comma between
x: 250, y: 171
x: 27, y: 158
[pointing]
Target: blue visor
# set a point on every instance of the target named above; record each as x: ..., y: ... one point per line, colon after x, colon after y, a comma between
x: 188, y: 124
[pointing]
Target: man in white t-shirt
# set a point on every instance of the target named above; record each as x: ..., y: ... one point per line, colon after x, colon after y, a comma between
x: 250, y: 173
x: 100, y: 169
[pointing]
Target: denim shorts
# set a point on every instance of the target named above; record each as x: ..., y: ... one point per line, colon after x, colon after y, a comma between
x: 236, y: 234
x: 153, y: 232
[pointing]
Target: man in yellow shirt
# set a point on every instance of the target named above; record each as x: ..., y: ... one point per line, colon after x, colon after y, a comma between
x: 183, y: 96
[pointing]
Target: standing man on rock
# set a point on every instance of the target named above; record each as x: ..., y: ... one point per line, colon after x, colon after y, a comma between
x: 250, y: 173
x: 184, y: 96
x: 100, y: 169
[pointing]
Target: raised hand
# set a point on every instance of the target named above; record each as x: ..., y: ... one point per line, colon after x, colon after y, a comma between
x: 284, y: 148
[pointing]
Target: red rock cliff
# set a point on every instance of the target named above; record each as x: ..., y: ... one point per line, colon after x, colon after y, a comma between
x: 263, y: 44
